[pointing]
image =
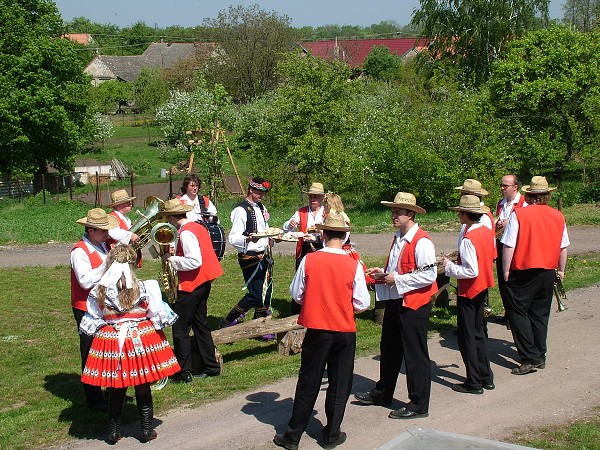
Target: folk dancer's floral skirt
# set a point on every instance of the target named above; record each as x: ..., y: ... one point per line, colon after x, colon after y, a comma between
x: 145, y: 356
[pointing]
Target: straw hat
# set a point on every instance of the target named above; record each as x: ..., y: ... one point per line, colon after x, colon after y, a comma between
x: 334, y: 222
x: 470, y: 203
x: 539, y: 185
x: 471, y: 186
x: 97, y: 218
x: 405, y: 200
x: 120, y: 196
x: 315, y: 189
x: 174, y: 206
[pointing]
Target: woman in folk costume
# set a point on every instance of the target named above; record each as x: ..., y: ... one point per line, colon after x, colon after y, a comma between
x: 126, y: 316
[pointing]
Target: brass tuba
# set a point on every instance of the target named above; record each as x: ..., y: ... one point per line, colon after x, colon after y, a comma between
x: 164, y: 234
x: 143, y: 226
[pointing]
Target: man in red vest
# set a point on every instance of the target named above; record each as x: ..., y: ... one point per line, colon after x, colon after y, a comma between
x: 406, y: 287
x: 331, y: 286
x: 535, y: 252
x: 511, y: 200
x: 87, y: 266
x: 305, y: 220
x: 121, y: 203
x: 474, y: 271
x: 197, y: 266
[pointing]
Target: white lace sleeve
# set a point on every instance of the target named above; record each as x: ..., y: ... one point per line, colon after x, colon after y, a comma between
x: 93, y: 319
x: 159, y: 312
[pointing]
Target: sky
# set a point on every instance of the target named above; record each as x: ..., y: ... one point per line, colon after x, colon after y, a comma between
x: 190, y: 13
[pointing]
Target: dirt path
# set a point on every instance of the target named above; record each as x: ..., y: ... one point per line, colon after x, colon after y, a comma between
x: 569, y: 388
x: 583, y: 239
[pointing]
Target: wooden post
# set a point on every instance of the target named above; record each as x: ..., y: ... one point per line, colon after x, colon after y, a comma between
x: 44, y: 187
x: 237, y: 175
x: 132, y: 185
x: 170, y: 183
x: 71, y: 186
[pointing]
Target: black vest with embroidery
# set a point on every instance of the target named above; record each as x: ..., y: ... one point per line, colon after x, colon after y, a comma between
x: 251, y: 225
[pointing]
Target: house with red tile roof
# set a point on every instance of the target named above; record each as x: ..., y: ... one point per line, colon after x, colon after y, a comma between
x: 354, y: 51
x: 80, y: 38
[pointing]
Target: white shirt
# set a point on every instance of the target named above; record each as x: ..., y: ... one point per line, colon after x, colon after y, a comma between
x: 82, y: 266
x: 511, y: 232
x: 312, y: 220
x: 424, y: 256
x: 469, y: 267
x: 507, y: 207
x: 361, y: 299
x: 118, y: 233
x: 195, y: 214
x: 237, y: 238
x: 192, y: 256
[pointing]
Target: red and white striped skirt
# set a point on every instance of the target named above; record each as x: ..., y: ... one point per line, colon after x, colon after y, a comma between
x: 145, y: 357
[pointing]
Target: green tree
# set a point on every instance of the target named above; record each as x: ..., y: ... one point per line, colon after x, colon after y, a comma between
x: 44, y: 109
x: 548, y: 88
x: 151, y: 90
x: 109, y: 95
x: 581, y: 15
x: 382, y: 64
x: 251, y: 42
x: 472, y: 34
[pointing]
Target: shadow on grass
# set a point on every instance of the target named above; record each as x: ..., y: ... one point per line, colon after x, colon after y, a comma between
x: 84, y: 422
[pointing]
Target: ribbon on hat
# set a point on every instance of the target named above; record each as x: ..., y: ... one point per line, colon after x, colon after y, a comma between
x: 114, y: 273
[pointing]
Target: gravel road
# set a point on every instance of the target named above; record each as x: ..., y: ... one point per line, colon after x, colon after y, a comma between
x: 583, y: 239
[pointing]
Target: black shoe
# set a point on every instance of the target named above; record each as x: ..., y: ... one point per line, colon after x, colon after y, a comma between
x: 182, y: 377
x: 207, y: 375
x: 465, y: 390
x: 366, y: 398
x: 502, y: 320
x: 282, y: 441
x: 333, y: 444
x: 148, y: 435
x: 542, y: 365
x: 524, y: 369
x: 488, y: 386
x: 404, y: 413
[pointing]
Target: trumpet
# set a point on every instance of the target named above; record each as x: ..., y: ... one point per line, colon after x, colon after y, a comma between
x: 559, y: 292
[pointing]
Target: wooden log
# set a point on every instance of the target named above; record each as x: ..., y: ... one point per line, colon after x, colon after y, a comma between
x: 255, y: 328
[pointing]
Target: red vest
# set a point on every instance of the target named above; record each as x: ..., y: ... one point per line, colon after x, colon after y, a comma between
x: 79, y: 295
x: 328, y: 295
x: 482, y: 239
x: 302, y: 226
x: 210, y: 268
x: 406, y: 264
x: 540, y: 235
x: 122, y: 225
x: 519, y: 204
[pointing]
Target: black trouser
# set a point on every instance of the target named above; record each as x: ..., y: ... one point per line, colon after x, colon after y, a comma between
x: 472, y: 340
x: 255, y: 266
x: 93, y: 394
x: 530, y: 300
x: 404, y: 336
x: 191, y: 307
x: 319, y: 348
x: 500, y: 275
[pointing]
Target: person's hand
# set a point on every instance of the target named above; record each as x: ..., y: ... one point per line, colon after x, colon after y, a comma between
x: 389, y: 279
x: 506, y: 274
x: 165, y: 256
x: 445, y: 261
x: 252, y: 238
x: 134, y: 238
x: 561, y: 274
x: 372, y: 270
x: 310, y: 238
x: 292, y: 223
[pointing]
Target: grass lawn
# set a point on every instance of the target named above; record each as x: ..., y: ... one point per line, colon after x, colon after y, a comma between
x: 39, y: 374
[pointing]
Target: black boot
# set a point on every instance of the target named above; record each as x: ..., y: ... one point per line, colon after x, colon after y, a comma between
x: 115, y: 407
x: 235, y: 316
x: 146, y: 412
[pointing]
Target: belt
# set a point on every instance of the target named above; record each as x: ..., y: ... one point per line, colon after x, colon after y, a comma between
x: 251, y: 255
